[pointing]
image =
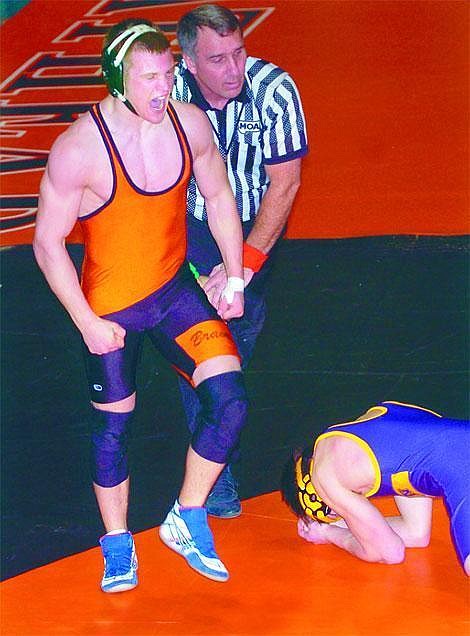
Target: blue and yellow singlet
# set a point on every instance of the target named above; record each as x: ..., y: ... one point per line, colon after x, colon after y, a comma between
x: 415, y: 451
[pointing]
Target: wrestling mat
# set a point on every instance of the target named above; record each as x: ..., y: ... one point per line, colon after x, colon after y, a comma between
x: 280, y: 585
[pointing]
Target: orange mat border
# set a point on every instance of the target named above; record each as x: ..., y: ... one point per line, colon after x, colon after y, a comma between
x: 280, y: 585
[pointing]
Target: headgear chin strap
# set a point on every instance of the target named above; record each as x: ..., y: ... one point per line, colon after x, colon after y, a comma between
x: 112, y: 63
x: 312, y: 504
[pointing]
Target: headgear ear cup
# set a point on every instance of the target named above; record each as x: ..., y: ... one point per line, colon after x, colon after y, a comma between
x: 113, y: 75
x: 112, y: 62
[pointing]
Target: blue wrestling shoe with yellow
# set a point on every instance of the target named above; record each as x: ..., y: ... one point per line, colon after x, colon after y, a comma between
x: 186, y: 531
x: 223, y: 500
x: 120, y: 562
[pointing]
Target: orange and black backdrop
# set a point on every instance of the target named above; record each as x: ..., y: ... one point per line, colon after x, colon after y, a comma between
x: 384, y: 87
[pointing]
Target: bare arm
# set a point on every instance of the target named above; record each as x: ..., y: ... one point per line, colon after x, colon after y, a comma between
x: 413, y: 524
x: 224, y: 223
x: 367, y: 536
x: 222, y: 216
x: 271, y: 218
x: 59, y: 201
x: 276, y: 204
x: 284, y: 176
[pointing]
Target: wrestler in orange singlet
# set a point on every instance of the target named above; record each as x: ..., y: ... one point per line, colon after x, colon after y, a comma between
x: 122, y: 170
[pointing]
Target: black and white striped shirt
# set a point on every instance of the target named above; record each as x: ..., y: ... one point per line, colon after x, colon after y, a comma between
x: 263, y: 125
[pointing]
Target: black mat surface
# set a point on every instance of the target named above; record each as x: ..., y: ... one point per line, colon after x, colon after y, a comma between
x: 351, y: 322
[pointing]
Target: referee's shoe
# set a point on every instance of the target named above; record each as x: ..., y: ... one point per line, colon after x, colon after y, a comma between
x: 223, y: 500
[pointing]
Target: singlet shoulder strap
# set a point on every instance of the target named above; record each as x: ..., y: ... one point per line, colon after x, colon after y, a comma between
x: 113, y: 153
x: 97, y: 116
x: 178, y: 126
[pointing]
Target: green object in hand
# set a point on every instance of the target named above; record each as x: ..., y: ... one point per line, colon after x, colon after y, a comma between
x: 194, y: 271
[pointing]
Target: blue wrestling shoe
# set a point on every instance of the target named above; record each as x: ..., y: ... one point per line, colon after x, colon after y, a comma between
x: 186, y: 532
x: 120, y: 562
x: 223, y: 500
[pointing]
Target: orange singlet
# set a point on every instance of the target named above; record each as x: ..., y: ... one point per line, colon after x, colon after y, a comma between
x: 136, y: 241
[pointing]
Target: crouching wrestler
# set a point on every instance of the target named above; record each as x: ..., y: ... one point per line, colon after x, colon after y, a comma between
x: 393, y: 449
x: 122, y: 170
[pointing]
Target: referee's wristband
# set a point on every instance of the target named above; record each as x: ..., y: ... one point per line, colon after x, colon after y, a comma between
x: 253, y: 258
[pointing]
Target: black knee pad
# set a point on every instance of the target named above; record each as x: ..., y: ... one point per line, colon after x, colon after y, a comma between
x: 109, y: 440
x: 224, y: 409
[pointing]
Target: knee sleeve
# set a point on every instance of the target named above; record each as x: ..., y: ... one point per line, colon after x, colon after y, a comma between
x: 109, y: 447
x: 191, y: 403
x: 223, y: 415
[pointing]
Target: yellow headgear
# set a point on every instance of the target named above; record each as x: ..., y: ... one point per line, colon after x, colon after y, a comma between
x: 312, y: 504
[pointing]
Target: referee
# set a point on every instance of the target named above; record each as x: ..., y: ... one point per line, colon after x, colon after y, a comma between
x: 256, y: 115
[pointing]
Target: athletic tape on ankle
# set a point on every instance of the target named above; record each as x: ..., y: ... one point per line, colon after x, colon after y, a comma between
x: 234, y: 284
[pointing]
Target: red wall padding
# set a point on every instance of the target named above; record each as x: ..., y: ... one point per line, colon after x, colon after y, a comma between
x: 384, y: 87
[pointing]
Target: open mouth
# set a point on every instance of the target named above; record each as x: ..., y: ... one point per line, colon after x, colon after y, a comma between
x: 158, y: 103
